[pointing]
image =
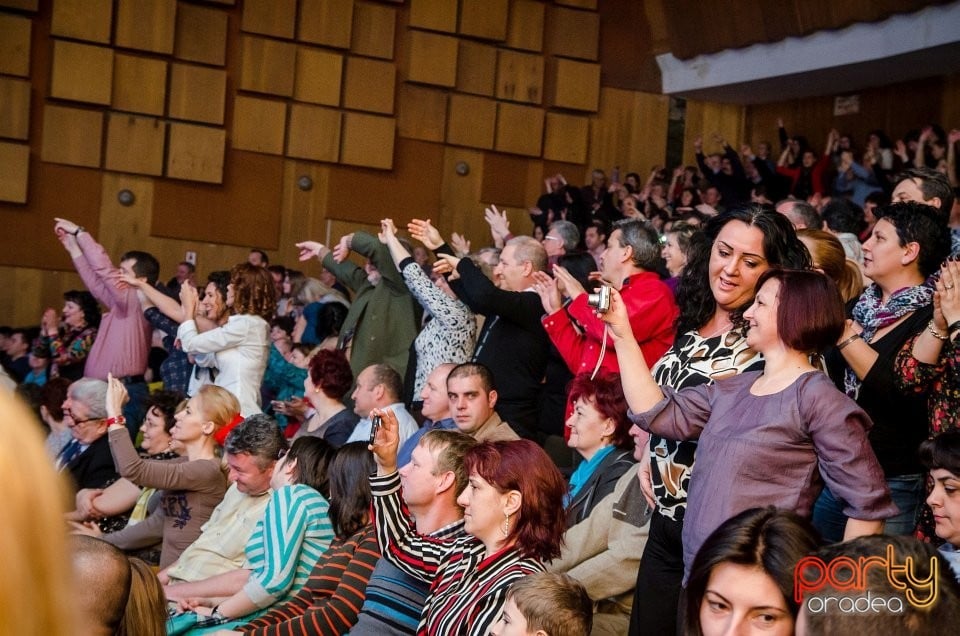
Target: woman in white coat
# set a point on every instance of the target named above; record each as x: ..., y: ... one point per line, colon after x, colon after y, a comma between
x: 242, y: 345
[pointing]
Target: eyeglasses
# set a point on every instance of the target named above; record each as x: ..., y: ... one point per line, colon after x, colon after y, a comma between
x: 89, y: 419
x: 281, y: 453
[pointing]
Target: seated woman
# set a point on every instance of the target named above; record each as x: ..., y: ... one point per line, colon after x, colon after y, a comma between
x: 677, y: 246
x: 329, y: 602
x: 112, y: 513
x: 770, y: 437
x: 68, y: 342
x: 193, y: 487
x: 328, y: 379
x: 743, y: 577
x: 600, y: 433
x: 242, y: 345
x: 513, y: 516
x: 602, y: 547
x: 286, y: 544
x: 828, y: 257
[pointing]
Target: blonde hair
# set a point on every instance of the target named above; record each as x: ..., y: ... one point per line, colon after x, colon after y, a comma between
x: 829, y: 256
x: 35, y: 588
x: 217, y: 405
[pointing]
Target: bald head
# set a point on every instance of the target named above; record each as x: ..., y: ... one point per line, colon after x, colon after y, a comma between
x: 436, y: 405
x: 101, y: 584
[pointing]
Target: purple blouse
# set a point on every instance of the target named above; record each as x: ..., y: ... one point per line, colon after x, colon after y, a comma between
x: 761, y: 450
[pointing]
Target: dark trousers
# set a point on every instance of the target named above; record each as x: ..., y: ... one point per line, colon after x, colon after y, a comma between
x: 657, y: 597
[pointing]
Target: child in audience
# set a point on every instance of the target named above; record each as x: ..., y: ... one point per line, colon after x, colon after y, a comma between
x: 545, y: 604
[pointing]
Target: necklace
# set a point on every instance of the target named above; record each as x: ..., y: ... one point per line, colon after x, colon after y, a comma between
x: 726, y: 325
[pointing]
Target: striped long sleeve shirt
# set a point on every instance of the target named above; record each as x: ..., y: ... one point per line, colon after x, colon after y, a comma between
x: 330, y: 601
x: 468, y: 589
x: 286, y: 544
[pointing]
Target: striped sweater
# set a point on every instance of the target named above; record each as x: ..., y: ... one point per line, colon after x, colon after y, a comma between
x: 328, y: 604
x: 468, y: 590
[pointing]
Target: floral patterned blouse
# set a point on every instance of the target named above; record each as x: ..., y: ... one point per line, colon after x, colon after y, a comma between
x: 68, y: 351
x: 940, y: 382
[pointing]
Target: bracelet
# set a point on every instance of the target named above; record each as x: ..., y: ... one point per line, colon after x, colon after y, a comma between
x: 846, y: 342
x: 121, y: 420
x: 954, y: 326
x: 936, y: 334
x: 78, y: 230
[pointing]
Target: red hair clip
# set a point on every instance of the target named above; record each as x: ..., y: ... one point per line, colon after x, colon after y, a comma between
x: 221, y: 434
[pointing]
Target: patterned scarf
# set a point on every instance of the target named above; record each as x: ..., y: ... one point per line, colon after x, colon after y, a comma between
x: 873, y: 315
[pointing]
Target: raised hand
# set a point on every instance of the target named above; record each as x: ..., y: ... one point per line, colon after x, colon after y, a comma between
x: 386, y: 442
x: 566, y: 283
x: 189, y: 299
x: 460, y: 244
x: 49, y: 322
x: 117, y: 396
x: 342, y: 249
x: 546, y: 288
x: 308, y: 250
x: 497, y: 219
x: 446, y: 264
x: 387, y: 230
x: 423, y: 231
x: 953, y: 136
x: 616, y: 317
x: 63, y: 225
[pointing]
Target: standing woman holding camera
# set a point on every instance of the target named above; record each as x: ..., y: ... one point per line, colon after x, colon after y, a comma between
x: 716, y: 286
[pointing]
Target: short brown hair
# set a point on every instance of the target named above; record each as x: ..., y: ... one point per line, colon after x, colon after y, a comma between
x: 556, y: 603
x: 450, y: 447
x: 798, y: 327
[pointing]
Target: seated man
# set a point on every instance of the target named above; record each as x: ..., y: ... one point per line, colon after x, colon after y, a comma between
x: 430, y: 486
x: 380, y: 387
x: 436, y: 410
x: 213, y: 564
x: 101, y: 585
x: 472, y: 399
x: 87, y: 456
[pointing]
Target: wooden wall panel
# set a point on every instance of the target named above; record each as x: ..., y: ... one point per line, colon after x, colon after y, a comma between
x: 374, y: 28
x: 78, y: 190
x: 422, y: 113
x: 146, y: 25
x: 135, y: 144
x: 270, y: 17
x: 525, y: 25
x: 14, y: 108
x: 435, y: 15
x: 14, y: 45
x: 25, y: 5
x: 196, y: 153
x: 629, y: 131
x: 575, y: 85
x: 359, y: 195
x: 82, y: 72
x: 201, y: 34
x: 88, y: 20
x: 485, y: 19
x: 566, y: 138
x: 476, y: 68
x: 326, y: 22
x: 706, y: 118
x: 245, y: 212
x: 504, y: 180
x: 460, y: 207
x: 368, y: 140
x: 139, y: 84
x: 574, y: 33
x: 578, y: 4
x: 519, y: 77
x: 267, y: 66
x: 314, y: 133
x: 259, y: 125
x: 369, y: 85
x: 197, y: 93
x: 471, y: 121
x: 319, y: 76
x: 432, y: 59
x: 15, y: 159
x: 519, y: 129
x: 71, y: 136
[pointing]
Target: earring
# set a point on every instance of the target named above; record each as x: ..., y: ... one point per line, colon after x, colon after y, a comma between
x: 505, y: 527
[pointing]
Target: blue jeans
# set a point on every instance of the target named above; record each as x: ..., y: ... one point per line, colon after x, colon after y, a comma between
x: 906, y: 491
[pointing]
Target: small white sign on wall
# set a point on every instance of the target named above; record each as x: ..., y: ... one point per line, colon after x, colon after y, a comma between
x: 191, y: 258
x: 846, y: 105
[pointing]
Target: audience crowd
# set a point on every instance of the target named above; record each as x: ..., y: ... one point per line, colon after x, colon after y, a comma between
x: 667, y: 409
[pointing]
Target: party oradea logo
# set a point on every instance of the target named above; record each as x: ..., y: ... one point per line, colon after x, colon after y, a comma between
x: 842, y: 584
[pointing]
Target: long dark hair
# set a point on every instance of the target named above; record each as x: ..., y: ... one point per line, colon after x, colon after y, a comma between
x: 314, y: 456
x: 781, y: 247
x: 349, y: 476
